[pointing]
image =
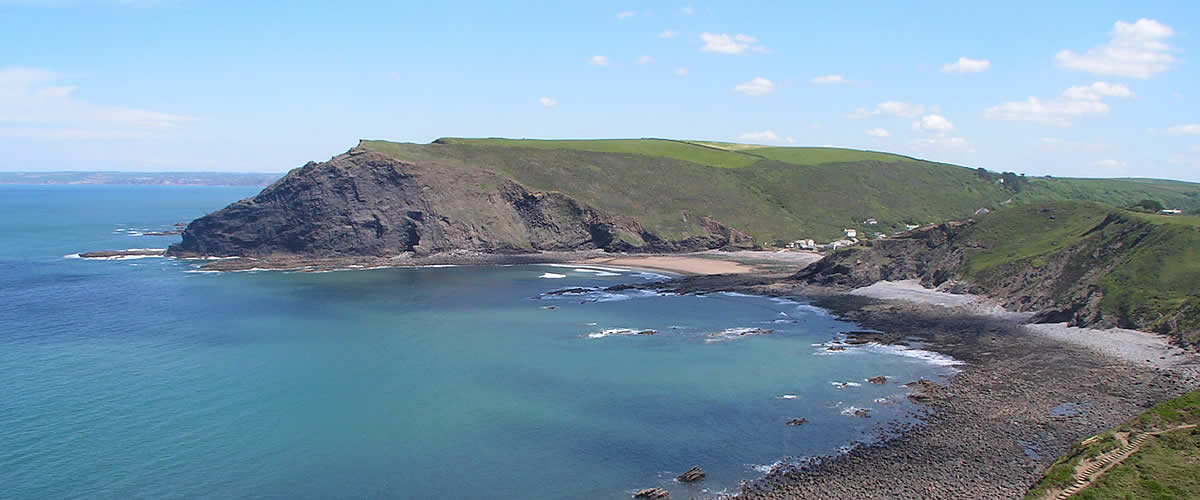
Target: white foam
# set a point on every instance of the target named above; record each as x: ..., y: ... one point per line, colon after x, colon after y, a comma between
x: 787, y: 396
x: 843, y: 385
x: 737, y: 294
x: 735, y: 333
x: 427, y: 266
x: 577, y: 267
x: 552, y: 275
x: 812, y: 309
x: 614, y: 331
x: 597, y: 272
x: 931, y: 357
x: 781, y: 300
x: 849, y: 411
x: 71, y: 256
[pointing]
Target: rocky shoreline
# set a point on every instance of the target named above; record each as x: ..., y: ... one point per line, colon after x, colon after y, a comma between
x: 990, y: 432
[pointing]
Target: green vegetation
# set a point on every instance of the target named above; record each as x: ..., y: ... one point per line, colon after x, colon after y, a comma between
x: 775, y: 194
x: 1167, y: 466
x: 1147, y: 265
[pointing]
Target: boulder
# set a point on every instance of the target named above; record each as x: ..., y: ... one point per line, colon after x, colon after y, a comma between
x: 878, y: 380
x: 693, y: 474
x: 798, y: 421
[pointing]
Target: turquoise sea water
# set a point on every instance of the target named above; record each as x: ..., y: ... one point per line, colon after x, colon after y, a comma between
x: 144, y: 378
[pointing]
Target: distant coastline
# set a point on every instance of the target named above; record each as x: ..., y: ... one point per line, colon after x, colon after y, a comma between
x: 140, y: 178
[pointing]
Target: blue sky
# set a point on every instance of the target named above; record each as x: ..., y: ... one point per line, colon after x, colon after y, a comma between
x: 1097, y: 89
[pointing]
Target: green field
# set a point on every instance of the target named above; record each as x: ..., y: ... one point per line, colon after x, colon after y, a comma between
x: 775, y: 194
x: 1166, y: 467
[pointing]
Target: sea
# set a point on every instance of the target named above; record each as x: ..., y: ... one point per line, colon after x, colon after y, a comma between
x: 152, y: 378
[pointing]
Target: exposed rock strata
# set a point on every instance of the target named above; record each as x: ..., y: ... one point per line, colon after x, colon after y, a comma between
x: 365, y: 203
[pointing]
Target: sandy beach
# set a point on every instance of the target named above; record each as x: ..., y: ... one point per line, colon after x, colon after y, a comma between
x: 678, y: 264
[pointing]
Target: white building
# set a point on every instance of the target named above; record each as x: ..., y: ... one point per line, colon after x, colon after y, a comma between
x: 1170, y: 211
x: 850, y: 233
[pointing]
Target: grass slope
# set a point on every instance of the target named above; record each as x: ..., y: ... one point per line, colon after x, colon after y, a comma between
x: 1153, y: 285
x: 774, y: 194
x: 1166, y: 467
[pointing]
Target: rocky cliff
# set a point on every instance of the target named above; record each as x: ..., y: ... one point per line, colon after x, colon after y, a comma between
x: 1077, y: 263
x: 365, y: 203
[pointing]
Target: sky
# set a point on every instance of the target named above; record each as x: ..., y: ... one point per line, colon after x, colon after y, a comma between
x: 1088, y: 89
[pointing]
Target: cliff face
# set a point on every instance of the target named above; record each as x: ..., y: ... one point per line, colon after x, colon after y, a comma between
x: 364, y: 203
x: 1075, y: 263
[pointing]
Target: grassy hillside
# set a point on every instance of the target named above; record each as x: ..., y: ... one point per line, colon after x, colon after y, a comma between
x: 1154, y: 259
x: 1164, y: 467
x: 772, y: 193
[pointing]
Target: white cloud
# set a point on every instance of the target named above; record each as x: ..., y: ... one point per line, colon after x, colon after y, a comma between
x: 645, y: 60
x: 1188, y: 129
x: 548, y: 102
x: 688, y: 10
x: 878, y: 132
x: 668, y: 34
x: 722, y: 43
x: 757, y: 87
x: 829, y: 80
x: 966, y: 65
x: 625, y: 14
x: 1057, y: 112
x: 1097, y: 91
x: 1110, y: 164
x: 933, y: 123
x: 598, y: 61
x: 789, y: 140
x: 766, y: 135
x: 891, y: 108
x: 44, y: 108
x: 681, y: 71
x: 1136, y: 50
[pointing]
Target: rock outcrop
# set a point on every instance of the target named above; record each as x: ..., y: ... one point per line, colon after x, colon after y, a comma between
x: 692, y: 475
x: 365, y: 203
x: 652, y: 494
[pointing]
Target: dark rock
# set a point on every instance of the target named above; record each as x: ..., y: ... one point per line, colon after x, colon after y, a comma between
x: 366, y: 203
x: 862, y: 412
x: 652, y: 493
x: 835, y: 348
x: 798, y: 421
x: 878, y: 380
x: 692, y: 475
x: 647, y: 332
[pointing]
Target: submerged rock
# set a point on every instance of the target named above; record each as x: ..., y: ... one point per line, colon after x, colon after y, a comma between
x: 112, y: 254
x: 798, y: 421
x: 693, y: 474
x: 647, y: 332
x: 652, y: 493
x: 862, y: 412
x: 835, y: 348
x: 878, y: 380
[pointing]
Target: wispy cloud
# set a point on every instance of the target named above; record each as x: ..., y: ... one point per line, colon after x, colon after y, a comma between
x: 626, y: 14
x: 598, y: 61
x: 890, y: 108
x: 645, y: 60
x: 878, y: 132
x: 1188, y: 129
x: 1076, y: 102
x: 1097, y: 91
x: 829, y: 80
x: 681, y: 71
x: 967, y: 65
x: 764, y: 136
x: 1135, y: 50
x: 548, y: 102
x: 721, y: 43
x: 757, y: 87
x: 35, y: 96
x: 668, y: 34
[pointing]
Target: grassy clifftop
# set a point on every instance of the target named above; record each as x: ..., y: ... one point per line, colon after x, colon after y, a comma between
x: 773, y: 193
